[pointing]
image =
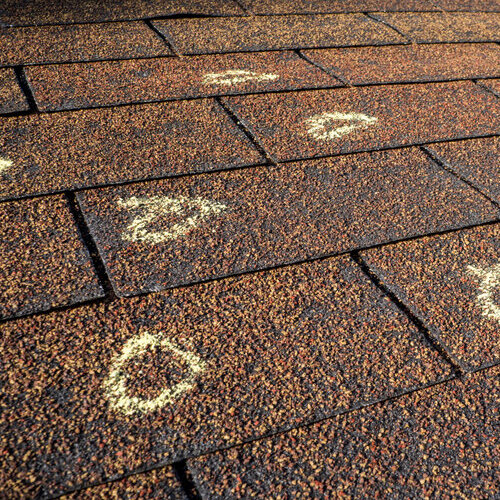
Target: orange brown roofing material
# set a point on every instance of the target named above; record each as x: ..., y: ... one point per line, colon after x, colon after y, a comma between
x: 265, y: 264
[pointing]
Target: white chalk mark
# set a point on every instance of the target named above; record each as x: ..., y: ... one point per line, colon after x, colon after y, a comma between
x: 5, y: 164
x: 320, y: 126
x: 232, y: 76
x: 490, y: 280
x: 116, y: 384
x: 156, y: 207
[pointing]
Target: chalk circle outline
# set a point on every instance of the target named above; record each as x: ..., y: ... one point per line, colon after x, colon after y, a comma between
x: 317, y: 124
x: 490, y: 280
x: 115, y: 385
x: 157, y: 206
x: 5, y: 164
x: 232, y: 76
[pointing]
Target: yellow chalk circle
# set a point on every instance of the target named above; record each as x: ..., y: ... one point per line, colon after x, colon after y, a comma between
x: 490, y: 280
x: 232, y: 76
x: 116, y: 384
x: 5, y: 164
x: 320, y: 126
x: 155, y: 207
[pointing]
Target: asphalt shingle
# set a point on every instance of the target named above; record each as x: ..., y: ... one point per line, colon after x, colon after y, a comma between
x: 324, y: 122
x: 44, y: 262
x: 440, y: 442
x: 79, y: 42
x: 452, y: 282
x: 107, y: 389
x: 116, y: 82
x: 35, y: 12
x: 169, y: 233
x: 476, y: 160
x: 91, y: 147
x: 493, y: 85
x: 409, y: 63
x: 446, y: 26
x: 12, y: 98
x: 199, y: 36
x: 469, y: 5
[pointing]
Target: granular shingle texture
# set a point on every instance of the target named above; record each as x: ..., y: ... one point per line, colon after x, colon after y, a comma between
x: 168, y: 233
x: 493, y: 85
x: 469, y: 5
x: 79, y: 42
x: 452, y: 282
x: 118, y: 144
x: 446, y: 26
x: 477, y: 160
x: 198, y: 36
x: 323, y: 122
x: 442, y: 442
x: 325, y: 6
x: 108, y: 389
x: 44, y: 263
x: 11, y: 96
x: 115, y: 82
x: 410, y: 63
x: 156, y: 484
x: 35, y: 12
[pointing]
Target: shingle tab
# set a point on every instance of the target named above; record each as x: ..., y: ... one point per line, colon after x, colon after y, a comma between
x: 477, y: 160
x: 410, y: 63
x: 318, y: 123
x: 12, y: 98
x: 156, y: 484
x: 493, y: 85
x: 325, y: 6
x: 169, y: 233
x: 91, y: 147
x: 44, y: 262
x: 446, y: 26
x: 440, y: 442
x: 199, y: 36
x: 76, y: 11
x: 105, y: 390
x: 116, y: 82
x: 469, y: 5
x: 79, y: 42
x: 452, y: 282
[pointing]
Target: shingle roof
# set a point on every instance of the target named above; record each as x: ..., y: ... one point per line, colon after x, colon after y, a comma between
x: 250, y: 249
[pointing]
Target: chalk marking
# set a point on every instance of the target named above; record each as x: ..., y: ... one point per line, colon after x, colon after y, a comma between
x: 160, y: 206
x: 318, y: 124
x: 232, y: 76
x: 115, y: 385
x: 490, y: 279
x: 5, y: 164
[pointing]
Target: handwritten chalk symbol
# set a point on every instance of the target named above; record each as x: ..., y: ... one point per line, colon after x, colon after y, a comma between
x: 319, y: 126
x: 232, y: 76
x: 5, y: 164
x: 156, y: 207
x: 490, y: 280
x: 116, y: 384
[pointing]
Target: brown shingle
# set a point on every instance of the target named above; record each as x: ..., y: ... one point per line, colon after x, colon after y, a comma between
x: 452, y: 283
x: 325, y: 6
x: 91, y: 147
x: 253, y: 356
x: 446, y: 26
x: 493, y: 85
x: 11, y: 96
x: 469, y: 5
x: 199, y: 36
x: 14, y: 12
x: 323, y: 122
x: 44, y: 262
x: 440, y: 442
x: 115, y: 82
x: 477, y: 160
x: 79, y: 42
x: 410, y: 63
x: 252, y: 219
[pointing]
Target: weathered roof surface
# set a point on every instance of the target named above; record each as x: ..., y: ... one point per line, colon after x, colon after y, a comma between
x: 250, y: 249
